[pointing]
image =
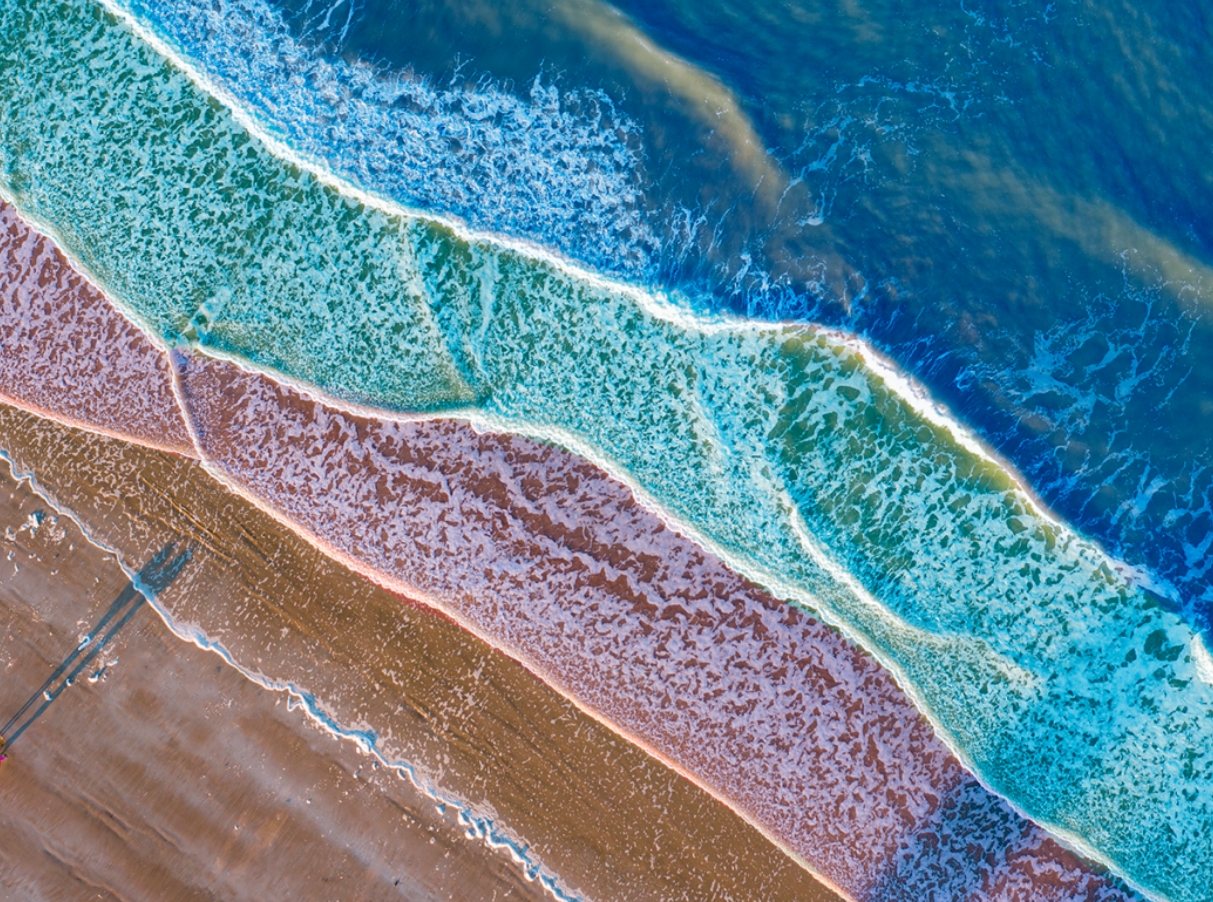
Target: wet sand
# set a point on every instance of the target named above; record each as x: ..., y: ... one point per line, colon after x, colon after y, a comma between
x: 173, y: 777
x: 610, y: 820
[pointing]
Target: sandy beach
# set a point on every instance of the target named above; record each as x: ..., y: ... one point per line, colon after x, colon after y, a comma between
x: 611, y: 821
x: 172, y: 776
x: 649, y: 650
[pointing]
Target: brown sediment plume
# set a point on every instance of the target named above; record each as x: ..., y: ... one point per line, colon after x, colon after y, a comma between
x: 554, y: 562
x: 162, y: 773
x: 608, y: 819
x: 66, y: 353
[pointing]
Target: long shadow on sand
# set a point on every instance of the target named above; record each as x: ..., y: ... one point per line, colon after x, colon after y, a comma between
x: 156, y: 575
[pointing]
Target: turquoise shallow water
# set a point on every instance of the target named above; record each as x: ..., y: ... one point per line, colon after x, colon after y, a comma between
x: 1009, y: 198
x: 1070, y: 690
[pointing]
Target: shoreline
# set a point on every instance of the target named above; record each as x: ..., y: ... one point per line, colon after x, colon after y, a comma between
x: 167, y: 774
x: 579, y: 796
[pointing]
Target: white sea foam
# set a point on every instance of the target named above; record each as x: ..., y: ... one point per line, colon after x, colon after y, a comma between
x: 244, y: 46
x: 1202, y: 659
x: 561, y: 167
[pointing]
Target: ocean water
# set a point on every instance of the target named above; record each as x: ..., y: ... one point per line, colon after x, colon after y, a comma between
x: 793, y: 452
x: 766, y: 708
x: 1009, y: 198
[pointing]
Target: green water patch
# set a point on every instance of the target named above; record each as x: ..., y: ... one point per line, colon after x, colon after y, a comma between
x: 785, y: 450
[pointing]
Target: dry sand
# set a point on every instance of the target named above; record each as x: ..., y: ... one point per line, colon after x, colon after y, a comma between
x: 176, y: 778
x: 611, y: 821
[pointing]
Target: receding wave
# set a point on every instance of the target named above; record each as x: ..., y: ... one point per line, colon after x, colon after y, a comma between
x: 69, y: 354
x: 574, y: 178
x: 548, y: 559
x: 1066, y: 687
